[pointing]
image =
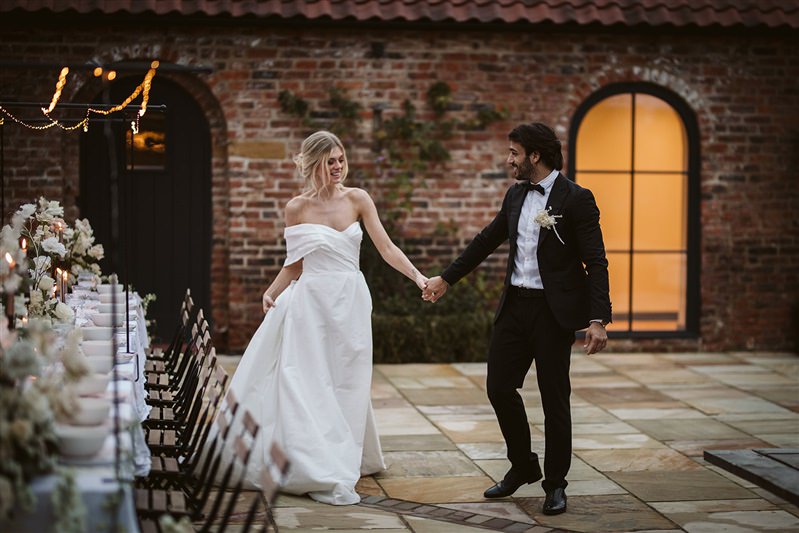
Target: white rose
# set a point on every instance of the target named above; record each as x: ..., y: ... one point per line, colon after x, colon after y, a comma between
x: 63, y: 312
x: 46, y: 283
x: 48, y: 211
x: 36, y: 298
x: 81, y: 245
x: 26, y: 210
x: 52, y: 246
x: 97, y: 251
x: 10, y: 237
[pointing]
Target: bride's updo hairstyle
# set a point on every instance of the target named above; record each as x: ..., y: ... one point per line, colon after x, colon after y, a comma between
x: 312, y: 160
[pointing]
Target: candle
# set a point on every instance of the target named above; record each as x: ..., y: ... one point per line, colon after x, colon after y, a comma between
x: 58, y: 230
x: 10, y: 261
x: 24, y: 246
x: 65, y: 278
x: 57, y: 285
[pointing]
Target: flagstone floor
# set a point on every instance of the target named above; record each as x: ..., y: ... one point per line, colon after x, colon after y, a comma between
x: 640, y: 423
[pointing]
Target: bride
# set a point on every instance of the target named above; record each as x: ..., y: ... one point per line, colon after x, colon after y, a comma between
x: 306, y: 374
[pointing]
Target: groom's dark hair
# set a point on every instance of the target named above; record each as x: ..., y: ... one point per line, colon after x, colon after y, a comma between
x: 538, y: 137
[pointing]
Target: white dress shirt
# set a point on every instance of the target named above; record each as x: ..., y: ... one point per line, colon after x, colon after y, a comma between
x: 525, y: 265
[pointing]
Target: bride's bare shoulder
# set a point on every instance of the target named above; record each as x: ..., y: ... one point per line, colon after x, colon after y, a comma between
x: 294, y: 209
x: 356, y: 195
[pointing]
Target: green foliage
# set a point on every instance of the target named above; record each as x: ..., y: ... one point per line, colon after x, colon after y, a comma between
x: 344, y: 117
x: 68, y: 507
x: 484, y: 117
x: 347, y: 109
x: 407, y: 329
x: 439, y: 96
x: 292, y: 104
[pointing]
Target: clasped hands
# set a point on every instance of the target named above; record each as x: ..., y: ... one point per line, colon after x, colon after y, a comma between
x: 434, y: 289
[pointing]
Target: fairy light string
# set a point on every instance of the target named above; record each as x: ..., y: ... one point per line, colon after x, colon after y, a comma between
x: 142, y: 89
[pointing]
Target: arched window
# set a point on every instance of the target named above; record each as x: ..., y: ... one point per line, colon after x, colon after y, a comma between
x: 635, y: 145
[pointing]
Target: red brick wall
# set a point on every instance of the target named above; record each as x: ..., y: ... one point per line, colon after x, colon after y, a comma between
x: 742, y: 86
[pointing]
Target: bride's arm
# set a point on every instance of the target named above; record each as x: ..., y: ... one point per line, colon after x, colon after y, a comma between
x: 283, y: 279
x: 389, y: 251
x: 288, y: 273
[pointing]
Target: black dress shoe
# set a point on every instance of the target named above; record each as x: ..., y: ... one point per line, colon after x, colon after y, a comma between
x: 512, y: 481
x: 555, y: 502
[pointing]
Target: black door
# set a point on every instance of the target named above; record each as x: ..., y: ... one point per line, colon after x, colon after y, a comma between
x: 164, y: 207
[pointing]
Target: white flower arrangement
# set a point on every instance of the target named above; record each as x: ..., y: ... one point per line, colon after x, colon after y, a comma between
x: 63, y: 312
x: 32, y: 389
x: 27, y: 441
x: 13, y: 261
x: 51, y: 243
x: 53, y: 247
x: 83, y: 255
x: 545, y: 220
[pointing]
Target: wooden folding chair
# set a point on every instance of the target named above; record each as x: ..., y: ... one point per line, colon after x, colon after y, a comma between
x: 272, y: 476
x: 173, y: 468
x: 182, y: 420
x: 158, y: 359
x: 153, y: 502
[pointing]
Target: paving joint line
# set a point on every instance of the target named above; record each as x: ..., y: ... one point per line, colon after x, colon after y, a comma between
x: 453, y: 516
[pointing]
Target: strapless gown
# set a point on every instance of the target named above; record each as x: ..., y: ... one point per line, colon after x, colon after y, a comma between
x: 306, y: 374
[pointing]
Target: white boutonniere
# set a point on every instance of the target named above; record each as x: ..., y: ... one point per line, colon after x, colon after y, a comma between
x: 545, y: 220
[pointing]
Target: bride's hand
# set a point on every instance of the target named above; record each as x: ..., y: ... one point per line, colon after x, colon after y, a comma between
x: 267, y: 302
x: 421, y: 281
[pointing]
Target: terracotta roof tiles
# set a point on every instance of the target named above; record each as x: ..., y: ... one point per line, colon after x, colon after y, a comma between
x: 700, y: 13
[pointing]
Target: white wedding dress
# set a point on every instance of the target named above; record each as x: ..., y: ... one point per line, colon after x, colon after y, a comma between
x: 306, y: 374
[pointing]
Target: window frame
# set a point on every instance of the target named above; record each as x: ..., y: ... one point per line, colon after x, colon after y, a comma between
x: 693, y: 238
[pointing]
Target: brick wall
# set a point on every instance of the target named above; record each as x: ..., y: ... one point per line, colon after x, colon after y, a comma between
x: 742, y: 86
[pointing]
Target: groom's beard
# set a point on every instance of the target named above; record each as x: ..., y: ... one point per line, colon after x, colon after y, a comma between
x: 523, y: 172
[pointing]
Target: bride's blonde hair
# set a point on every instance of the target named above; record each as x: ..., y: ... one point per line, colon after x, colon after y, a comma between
x: 312, y: 160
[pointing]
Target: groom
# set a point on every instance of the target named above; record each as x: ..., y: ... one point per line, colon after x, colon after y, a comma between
x: 556, y: 282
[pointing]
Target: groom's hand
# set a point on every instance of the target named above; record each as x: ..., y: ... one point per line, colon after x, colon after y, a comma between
x: 436, y: 287
x: 596, y: 338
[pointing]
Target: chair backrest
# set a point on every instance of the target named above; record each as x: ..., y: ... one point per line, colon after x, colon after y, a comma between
x: 269, y: 488
x: 235, y: 473
x: 279, y: 459
x: 213, y: 458
x: 194, y: 416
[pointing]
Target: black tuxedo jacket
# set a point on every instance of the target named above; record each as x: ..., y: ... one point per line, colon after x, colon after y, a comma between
x: 575, y: 274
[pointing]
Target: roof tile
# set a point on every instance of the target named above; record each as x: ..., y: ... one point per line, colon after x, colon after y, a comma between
x: 700, y: 13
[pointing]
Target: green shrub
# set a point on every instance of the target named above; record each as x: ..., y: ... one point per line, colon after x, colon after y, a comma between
x: 407, y: 329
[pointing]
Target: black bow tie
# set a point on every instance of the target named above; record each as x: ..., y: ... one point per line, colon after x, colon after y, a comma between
x: 534, y: 187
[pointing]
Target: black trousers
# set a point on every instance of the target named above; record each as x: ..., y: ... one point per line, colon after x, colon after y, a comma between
x: 526, y: 331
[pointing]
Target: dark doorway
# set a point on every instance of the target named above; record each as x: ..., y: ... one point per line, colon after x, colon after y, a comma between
x: 165, y: 198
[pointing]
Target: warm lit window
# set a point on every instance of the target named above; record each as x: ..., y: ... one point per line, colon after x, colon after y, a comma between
x: 632, y: 149
x: 149, y: 144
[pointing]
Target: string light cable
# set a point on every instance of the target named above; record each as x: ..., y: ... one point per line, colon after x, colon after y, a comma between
x: 143, y: 88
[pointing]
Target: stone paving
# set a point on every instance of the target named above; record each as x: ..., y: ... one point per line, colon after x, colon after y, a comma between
x: 641, y: 423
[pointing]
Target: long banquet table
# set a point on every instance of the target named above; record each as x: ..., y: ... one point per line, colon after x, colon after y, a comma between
x: 108, y: 503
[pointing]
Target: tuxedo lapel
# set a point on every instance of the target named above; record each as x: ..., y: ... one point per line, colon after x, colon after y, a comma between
x: 560, y: 191
x: 516, y: 201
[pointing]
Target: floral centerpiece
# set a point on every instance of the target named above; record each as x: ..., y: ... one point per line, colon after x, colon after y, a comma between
x: 27, y: 439
x: 83, y: 255
x: 42, y: 230
x: 34, y: 393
